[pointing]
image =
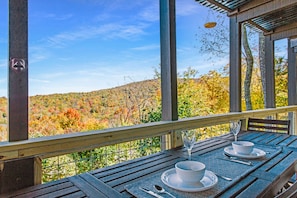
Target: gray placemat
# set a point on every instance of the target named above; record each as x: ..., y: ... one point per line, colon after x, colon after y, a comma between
x: 215, y: 162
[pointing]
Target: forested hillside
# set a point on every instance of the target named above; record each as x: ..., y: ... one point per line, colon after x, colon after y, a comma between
x: 73, y: 112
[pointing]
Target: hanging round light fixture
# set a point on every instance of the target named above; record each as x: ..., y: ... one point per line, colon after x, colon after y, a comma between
x: 210, y: 23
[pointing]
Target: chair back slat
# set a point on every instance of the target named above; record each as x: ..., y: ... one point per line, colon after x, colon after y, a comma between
x: 290, y: 192
x: 256, y: 124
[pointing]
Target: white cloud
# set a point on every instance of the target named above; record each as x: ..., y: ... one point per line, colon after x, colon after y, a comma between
x: 128, y: 32
x: 102, y: 17
x: 187, y: 57
x: 3, y: 86
x: 52, y: 16
x: 107, y: 31
x: 83, y: 83
x: 3, y: 40
x: 37, y: 54
x: 3, y: 80
x: 100, y: 75
x: 51, y: 76
x: 3, y: 62
x: 150, y: 12
x: 38, y: 80
x: 146, y: 47
x: 63, y: 17
x: 187, y: 7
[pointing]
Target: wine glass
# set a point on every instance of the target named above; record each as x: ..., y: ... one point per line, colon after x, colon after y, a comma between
x: 235, y: 128
x: 189, y: 140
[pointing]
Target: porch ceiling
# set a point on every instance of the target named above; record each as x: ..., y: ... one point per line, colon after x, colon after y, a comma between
x: 267, y: 15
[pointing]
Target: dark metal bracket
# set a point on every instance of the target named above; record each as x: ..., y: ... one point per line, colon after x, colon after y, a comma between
x: 17, y: 64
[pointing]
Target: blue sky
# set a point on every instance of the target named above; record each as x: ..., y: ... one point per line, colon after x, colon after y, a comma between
x: 87, y: 45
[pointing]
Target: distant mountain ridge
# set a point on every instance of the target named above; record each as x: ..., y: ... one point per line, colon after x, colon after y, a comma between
x: 122, y: 105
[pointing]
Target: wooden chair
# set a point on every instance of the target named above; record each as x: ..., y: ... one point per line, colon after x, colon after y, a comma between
x: 281, y: 126
x: 290, y: 192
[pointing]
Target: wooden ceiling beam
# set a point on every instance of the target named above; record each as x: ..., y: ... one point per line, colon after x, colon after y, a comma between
x: 252, y: 4
x: 287, y: 31
x: 262, y: 9
x: 259, y: 27
x: 219, y: 5
x: 286, y: 27
x: 259, y: 8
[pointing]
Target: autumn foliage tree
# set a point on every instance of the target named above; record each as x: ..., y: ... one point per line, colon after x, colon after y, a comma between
x: 70, y: 120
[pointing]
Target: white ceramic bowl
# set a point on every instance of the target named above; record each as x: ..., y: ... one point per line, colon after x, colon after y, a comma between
x: 243, y: 147
x: 190, y: 171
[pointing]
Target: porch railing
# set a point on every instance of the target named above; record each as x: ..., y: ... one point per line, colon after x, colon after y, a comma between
x: 45, y: 147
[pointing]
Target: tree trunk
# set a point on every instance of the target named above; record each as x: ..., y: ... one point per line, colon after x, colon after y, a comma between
x: 249, y: 69
x: 262, y: 63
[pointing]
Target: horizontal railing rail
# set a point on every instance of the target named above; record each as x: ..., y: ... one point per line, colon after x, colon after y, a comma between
x: 50, y: 146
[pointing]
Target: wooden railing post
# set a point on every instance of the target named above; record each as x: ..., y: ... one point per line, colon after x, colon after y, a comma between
x: 176, y: 139
x: 292, y: 82
x: 168, y: 64
x: 293, y: 119
x: 16, y: 174
x: 172, y: 140
x: 243, y: 124
x: 37, y: 170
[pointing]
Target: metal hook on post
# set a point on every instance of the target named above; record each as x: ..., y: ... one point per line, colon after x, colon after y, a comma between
x: 17, y: 64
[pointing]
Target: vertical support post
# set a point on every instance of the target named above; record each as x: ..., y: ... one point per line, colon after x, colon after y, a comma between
x: 17, y: 174
x: 18, y: 70
x: 269, y: 73
x: 292, y: 84
x: 168, y: 65
x: 235, y: 65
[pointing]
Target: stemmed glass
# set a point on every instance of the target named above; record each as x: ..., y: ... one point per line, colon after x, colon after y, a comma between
x: 189, y: 139
x: 235, y: 128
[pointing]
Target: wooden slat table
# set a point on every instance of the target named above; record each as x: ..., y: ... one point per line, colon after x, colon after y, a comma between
x: 84, y: 185
x: 263, y: 179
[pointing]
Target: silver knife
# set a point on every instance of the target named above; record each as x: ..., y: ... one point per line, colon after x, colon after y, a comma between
x: 150, y: 192
x: 241, y: 162
x: 235, y: 159
x: 229, y: 158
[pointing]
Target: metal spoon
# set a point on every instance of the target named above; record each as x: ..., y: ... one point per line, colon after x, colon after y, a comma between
x: 160, y: 189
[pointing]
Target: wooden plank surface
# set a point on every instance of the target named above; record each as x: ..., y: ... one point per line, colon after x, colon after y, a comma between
x: 100, y: 186
x: 61, y: 192
x: 254, y: 189
x: 40, y: 189
x: 78, y: 194
x: 85, y: 187
x: 235, y: 189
